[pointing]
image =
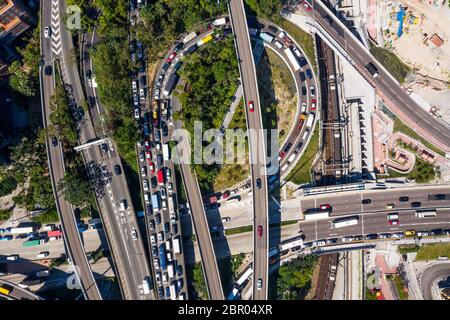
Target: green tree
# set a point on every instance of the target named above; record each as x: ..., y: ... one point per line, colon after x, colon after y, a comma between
x: 7, y: 185
x: 20, y: 80
x: 76, y: 188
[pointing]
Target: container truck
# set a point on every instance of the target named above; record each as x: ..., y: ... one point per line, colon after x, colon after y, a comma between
x: 189, y: 37
x: 173, y: 79
x: 54, y: 233
x: 146, y: 285
x: 292, y: 58
x: 162, y: 257
x: 165, y: 148
x: 22, y: 230
x: 173, y: 292
x: 34, y: 242
x: 160, y: 177
x: 372, y: 69
x: 176, y: 245
x: 155, y: 202
x: 425, y: 214
x: 266, y: 37
x: 220, y: 22
x: 204, y: 40
x: 170, y: 270
x: 310, y: 120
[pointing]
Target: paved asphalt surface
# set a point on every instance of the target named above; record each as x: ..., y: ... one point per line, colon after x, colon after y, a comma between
x: 257, y: 147
x: 56, y: 162
x: 129, y: 255
x: 432, y: 274
x: 209, y: 263
x: 18, y: 293
x: 388, y: 86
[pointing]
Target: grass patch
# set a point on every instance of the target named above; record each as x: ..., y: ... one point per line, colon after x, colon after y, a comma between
x: 408, y: 248
x: 229, y: 232
x: 422, y: 172
x: 304, y: 39
x: 400, y: 286
x: 286, y: 223
x: 56, y: 262
x: 196, y: 282
x: 400, y: 126
x: 302, y: 171
x: 391, y: 62
x: 433, y: 251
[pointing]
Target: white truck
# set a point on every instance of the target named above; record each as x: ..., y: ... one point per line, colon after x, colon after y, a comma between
x: 173, y: 292
x: 146, y: 285
x: 310, y: 120
x: 189, y: 37
x: 176, y: 245
x: 22, y: 230
x: 220, y: 22
x: 170, y: 270
x: 166, y: 153
x: 425, y: 214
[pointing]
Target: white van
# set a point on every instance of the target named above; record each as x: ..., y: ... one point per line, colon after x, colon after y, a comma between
x: 278, y: 44
x: 305, y: 134
x: 123, y: 205
x: 12, y: 257
x: 164, y: 204
x: 147, y: 197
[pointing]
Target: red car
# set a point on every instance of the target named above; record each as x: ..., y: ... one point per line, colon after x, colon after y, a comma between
x: 282, y: 154
x: 394, y: 222
x: 260, y: 231
x: 147, y: 145
x: 170, y: 58
x: 313, y: 104
x: 148, y: 155
x: 307, y: 6
x: 325, y: 207
x: 151, y: 166
x: 251, y: 106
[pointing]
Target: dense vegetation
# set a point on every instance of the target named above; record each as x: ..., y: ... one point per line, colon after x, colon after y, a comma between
x: 214, y: 66
x: 422, y: 172
x: 7, y: 185
x: 227, y: 269
x: 302, y: 171
x: 197, y: 284
x: 293, y: 280
x: 391, y: 62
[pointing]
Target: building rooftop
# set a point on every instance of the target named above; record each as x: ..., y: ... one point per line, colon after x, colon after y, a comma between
x: 437, y: 41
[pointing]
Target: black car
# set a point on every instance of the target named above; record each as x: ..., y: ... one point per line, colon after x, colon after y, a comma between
x: 54, y: 141
x: 299, y: 146
x: 167, y: 292
x: 166, y: 227
x: 164, y: 129
x: 48, y: 70
x: 286, y: 149
x: 174, y: 228
x: 158, y: 218
x: 328, y: 19
x: 89, y: 74
x: 117, y: 169
x: 258, y: 183
x: 439, y: 196
x: 178, y: 46
x: 303, y: 62
x: 371, y: 236
x: 165, y: 66
x: 154, y: 182
x: 309, y: 73
x: 304, y: 90
x: 104, y: 147
x: 416, y: 204
x: 161, y: 292
x: 403, y: 199
x: 366, y: 201
x: 302, y: 76
x: 179, y: 270
x: 160, y: 160
x: 152, y: 225
x: 155, y: 251
x: 273, y: 28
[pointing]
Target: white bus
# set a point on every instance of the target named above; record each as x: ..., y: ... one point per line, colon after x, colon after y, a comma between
x: 316, y: 215
x: 291, y: 244
x: 244, y: 277
x: 345, y: 222
x: 292, y: 58
x: 425, y: 213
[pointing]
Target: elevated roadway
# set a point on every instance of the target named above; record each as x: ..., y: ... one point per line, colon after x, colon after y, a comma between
x: 389, y: 89
x: 18, y: 293
x: 72, y: 239
x: 257, y: 148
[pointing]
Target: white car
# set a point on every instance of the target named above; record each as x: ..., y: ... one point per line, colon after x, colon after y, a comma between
x: 12, y: 257
x: 43, y: 254
x: 165, y: 277
x: 157, y: 91
x: 135, y: 100
x: 158, y: 277
x: 397, y: 235
x: 134, y: 234
x: 156, y: 264
x: 152, y: 239
x: 158, y: 146
x: 160, y: 236
x: 347, y: 239
x: 259, y: 284
x: 48, y: 32
x: 303, y: 107
x: 141, y: 93
x: 321, y: 243
x: 137, y: 114
x: 169, y: 257
x: 170, y: 187
x: 143, y: 171
x: 422, y: 234
x: 145, y: 184
x: 141, y: 156
x: 134, y: 86
x: 297, y: 52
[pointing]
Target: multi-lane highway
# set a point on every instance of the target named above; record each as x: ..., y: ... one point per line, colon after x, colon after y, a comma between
x: 257, y: 148
x: 18, y: 293
x: 406, y: 108
x: 129, y: 255
x: 51, y: 53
